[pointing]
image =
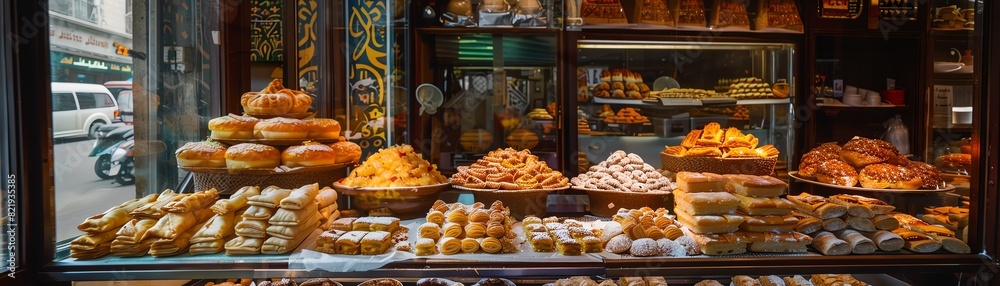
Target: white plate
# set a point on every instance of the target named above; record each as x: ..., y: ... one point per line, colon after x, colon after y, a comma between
x: 665, y: 82
x: 795, y: 175
x: 946, y: 67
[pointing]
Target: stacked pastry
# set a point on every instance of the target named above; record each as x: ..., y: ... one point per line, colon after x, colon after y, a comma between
x: 953, y: 218
x: 623, y: 172
x: 129, y: 240
x: 621, y: 83
x: 567, y: 237
x: 365, y: 235
x: 769, y: 225
x: 454, y: 228
x: 100, y: 230
x: 212, y: 237
x: 509, y: 169
x: 920, y: 236
x: 645, y: 232
x: 627, y: 115
x: 172, y: 233
x: 703, y: 205
x: 624, y: 281
x: 712, y: 141
x: 296, y: 217
x: 251, y: 232
x: 872, y: 163
x: 845, y: 224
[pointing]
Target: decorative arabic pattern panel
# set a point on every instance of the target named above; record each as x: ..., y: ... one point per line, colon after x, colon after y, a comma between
x: 307, y: 17
x: 367, y: 38
x: 265, y: 31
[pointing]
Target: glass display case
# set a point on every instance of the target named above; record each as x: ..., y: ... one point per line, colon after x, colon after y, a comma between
x: 512, y: 94
x: 639, y: 96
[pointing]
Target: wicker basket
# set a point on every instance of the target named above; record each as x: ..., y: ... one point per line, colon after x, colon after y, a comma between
x: 404, y: 202
x: 749, y: 166
x: 230, y: 183
x: 605, y: 203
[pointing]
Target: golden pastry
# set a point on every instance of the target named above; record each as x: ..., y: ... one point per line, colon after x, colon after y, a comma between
x: 435, y: 217
x: 457, y: 216
x: 440, y: 206
x: 426, y: 246
x: 430, y: 230
x: 654, y: 232
x: 662, y: 222
x: 490, y: 245
x: 452, y: 230
x: 531, y: 220
x: 470, y: 245
x: 396, y: 166
x: 475, y: 230
x: 672, y: 232
x: 479, y: 215
x: 637, y: 232
x: 646, y: 221
x: 450, y: 245
x: 496, y: 230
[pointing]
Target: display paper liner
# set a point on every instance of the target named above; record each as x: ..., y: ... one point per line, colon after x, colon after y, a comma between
x: 309, y: 259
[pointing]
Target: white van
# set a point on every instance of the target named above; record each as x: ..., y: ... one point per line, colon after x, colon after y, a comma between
x: 79, y: 109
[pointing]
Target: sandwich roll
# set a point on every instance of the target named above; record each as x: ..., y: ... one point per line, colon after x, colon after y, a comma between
x: 308, y: 154
x: 250, y: 155
x: 283, y: 128
x: 917, y: 242
x: 834, y: 224
x: 952, y: 244
x: 817, y: 206
x: 859, y: 243
x: 807, y: 224
x: 885, y: 222
x: 862, y: 206
x: 860, y: 223
x: 232, y: 126
x: 828, y: 244
x: 201, y: 154
x: 886, y: 240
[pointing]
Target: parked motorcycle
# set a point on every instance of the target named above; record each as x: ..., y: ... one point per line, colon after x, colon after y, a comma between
x: 109, y: 138
x: 123, y: 163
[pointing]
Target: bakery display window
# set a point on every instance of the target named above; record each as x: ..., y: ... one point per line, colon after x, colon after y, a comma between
x: 638, y: 96
x: 493, y: 91
x: 285, y: 142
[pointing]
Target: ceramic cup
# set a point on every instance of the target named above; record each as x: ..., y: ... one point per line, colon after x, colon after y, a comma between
x: 850, y: 89
x: 853, y: 99
x: 873, y: 99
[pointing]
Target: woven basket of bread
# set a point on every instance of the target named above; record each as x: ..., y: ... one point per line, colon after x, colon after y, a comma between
x: 229, y: 183
x: 750, y: 166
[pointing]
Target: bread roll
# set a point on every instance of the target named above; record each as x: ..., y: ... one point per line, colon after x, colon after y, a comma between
x: 954, y: 162
x: 928, y: 174
x: 347, y: 151
x: 889, y: 176
x: 232, y: 127
x: 323, y: 128
x: 837, y: 172
x: 807, y: 224
x: 308, y: 154
x: 250, y: 155
x: 716, y: 203
x: 283, y: 128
